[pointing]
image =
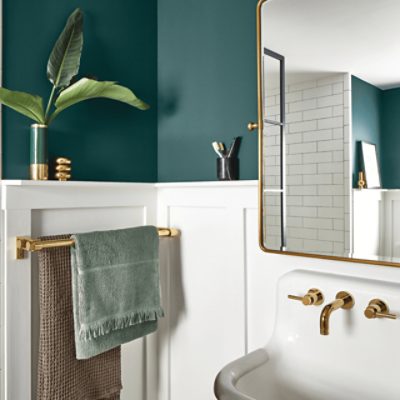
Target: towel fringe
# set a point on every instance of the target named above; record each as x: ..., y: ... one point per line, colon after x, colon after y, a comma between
x: 104, y: 328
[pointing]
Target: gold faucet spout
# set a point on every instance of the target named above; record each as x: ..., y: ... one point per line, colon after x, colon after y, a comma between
x: 343, y: 300
x: 326, y: 315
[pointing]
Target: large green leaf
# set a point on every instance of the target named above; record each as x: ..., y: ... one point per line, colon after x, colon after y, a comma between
x: 27, y: 104
x: 65, y: 57
x: 86, y: 89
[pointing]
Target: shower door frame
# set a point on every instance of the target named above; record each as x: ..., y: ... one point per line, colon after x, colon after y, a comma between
x: 282, y: 140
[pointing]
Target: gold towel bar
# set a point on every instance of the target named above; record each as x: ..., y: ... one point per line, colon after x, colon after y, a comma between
x: 25, y: 244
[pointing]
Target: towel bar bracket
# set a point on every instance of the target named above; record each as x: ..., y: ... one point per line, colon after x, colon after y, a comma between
x: 27, y: 244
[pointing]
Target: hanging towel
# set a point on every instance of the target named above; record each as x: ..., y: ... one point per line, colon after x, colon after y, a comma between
x: 60, y: 375
x: 116, y: 288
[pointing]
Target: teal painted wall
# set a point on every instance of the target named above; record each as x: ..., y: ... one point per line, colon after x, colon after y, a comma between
x: 367, y: 116
x: 207, y: 85
x: 391, y: 139
x: 376, y: 119
x: 107, y: 141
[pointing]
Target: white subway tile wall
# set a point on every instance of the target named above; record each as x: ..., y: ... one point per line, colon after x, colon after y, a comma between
x: 318, y: 149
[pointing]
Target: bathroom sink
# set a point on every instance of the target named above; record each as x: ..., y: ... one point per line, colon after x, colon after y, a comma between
x: 358, y: 360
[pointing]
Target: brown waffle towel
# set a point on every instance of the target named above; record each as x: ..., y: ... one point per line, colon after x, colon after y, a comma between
x: 60, y: 375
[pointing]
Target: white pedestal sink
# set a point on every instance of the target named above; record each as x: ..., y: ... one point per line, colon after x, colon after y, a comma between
x: 359, y: 360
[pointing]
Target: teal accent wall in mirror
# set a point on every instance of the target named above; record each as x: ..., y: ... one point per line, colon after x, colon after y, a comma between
x: 207, y: 85
x: 376, y: 120
x: 367, y: 119
x: 391, y: 143
x: 107, y: 141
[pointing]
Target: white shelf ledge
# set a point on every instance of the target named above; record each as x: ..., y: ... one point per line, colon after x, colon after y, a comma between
x: 208, y: 184
x: 54, y: 184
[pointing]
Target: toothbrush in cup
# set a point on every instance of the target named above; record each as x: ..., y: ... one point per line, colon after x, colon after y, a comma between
x: 219, y: 148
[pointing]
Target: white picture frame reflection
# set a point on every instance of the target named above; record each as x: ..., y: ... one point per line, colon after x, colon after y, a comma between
x: 370, y: 165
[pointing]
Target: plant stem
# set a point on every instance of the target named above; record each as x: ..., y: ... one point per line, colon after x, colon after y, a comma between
x: 53, y: 91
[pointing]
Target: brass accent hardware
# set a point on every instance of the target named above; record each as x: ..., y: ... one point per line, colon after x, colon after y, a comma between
x: 252, y: 126
x: 343, y: 300
x: 361, y: 180
x: 63, y: 169
x: 378, y: 309
x: 27, y: 244
x: 63, y: 160
x: 39, y: 172
x: 314, y: 297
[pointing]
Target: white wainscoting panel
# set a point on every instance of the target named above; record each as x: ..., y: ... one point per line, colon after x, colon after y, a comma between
x: 369, y: 223
x: 194, y: 360
x: 218, y: 287
x: 392, y: 226
x: 37, y: 209
x: 207, y: 313
x: 376, y: 224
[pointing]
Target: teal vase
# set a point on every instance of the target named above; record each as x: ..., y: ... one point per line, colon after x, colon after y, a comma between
x: 39, y: 159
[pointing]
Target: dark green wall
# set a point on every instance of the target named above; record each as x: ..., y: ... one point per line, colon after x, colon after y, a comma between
x: 391, y: 141
x: 207, y: 85
x: 376, y: 119
x: 366, y: 114
x: 106, y: 141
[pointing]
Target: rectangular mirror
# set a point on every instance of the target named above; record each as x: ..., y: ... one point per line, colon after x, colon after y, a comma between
x: 330, y: 162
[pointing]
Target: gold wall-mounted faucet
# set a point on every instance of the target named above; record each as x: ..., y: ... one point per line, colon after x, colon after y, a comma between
x: 343, y: 300
x: 314, y: 297
x: 378, y: 309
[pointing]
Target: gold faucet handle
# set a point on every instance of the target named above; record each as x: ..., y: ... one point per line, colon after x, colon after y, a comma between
x: 378, y: 309
x: 314, y: 297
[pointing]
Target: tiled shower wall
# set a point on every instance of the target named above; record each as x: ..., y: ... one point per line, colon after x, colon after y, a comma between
x: 318, y: 163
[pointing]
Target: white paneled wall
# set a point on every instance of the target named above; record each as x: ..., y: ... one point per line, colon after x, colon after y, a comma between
x: 47, y: 208
x: 318, y: 190
x: 207, y: 292
x: 376, y: 232
x: 227, y: 308
x: 218, y: 287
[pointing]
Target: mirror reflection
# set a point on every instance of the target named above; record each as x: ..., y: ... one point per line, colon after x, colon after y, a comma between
x: 331, y: 154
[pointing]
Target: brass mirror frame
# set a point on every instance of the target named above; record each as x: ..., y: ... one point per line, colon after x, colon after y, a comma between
x: 260, y: 126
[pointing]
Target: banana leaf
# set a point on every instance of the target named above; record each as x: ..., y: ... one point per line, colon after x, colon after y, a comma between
x: 27, y: 104
x: 86, y: 89
x: 65, y: 57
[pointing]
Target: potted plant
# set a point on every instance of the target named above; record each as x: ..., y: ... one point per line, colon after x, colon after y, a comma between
x: 62, y: 68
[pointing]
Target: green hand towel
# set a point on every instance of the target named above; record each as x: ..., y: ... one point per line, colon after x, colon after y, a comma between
x: 115, y: 287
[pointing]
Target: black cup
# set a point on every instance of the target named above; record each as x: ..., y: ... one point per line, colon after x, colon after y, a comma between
x: 228, y: 169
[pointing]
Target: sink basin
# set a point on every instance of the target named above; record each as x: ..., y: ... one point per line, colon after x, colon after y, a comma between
x: 360, y: 359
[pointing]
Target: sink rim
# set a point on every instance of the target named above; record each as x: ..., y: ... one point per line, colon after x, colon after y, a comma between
x: 225, y: 382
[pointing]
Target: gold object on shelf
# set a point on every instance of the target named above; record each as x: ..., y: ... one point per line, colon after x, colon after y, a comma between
x: 39, y: 172
x: 252, y: 126
x: 361, y: 180
x: 343, y: 300
x: 378, y: 309
x: 63, y: 169
x: 27, y: 244
x: 314, y: 297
